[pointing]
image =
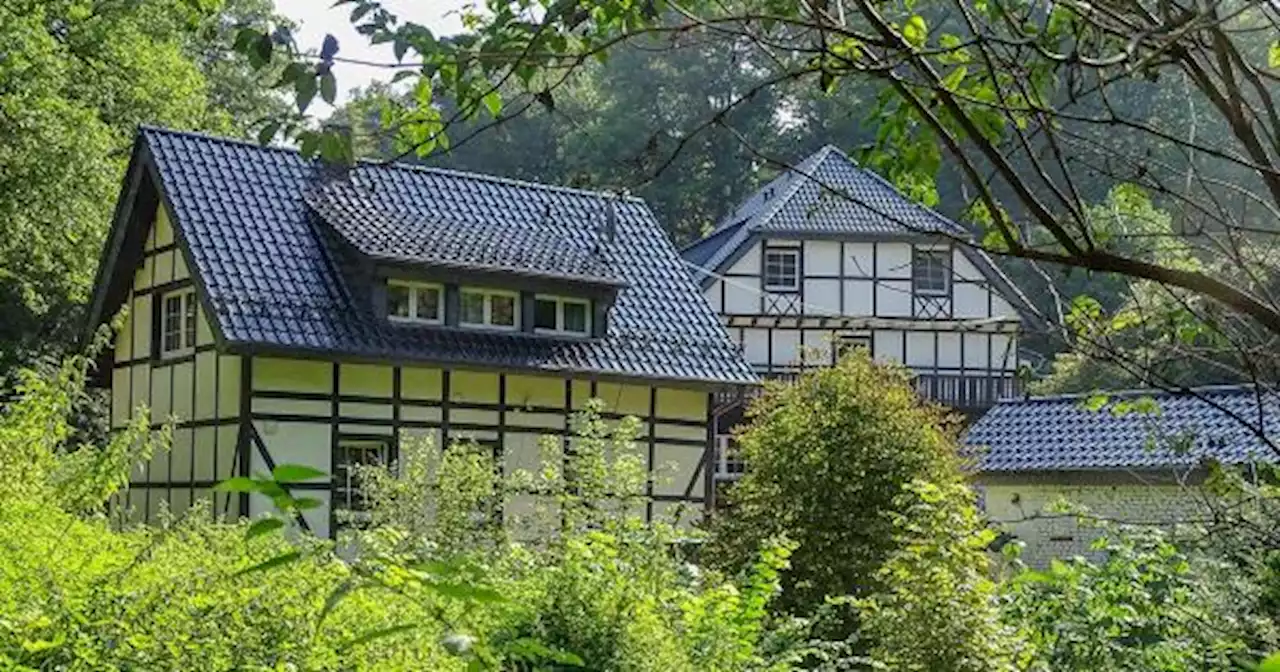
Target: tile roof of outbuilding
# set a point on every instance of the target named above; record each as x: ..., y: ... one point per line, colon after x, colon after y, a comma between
x: 272, y: 275
x: 1061, y: 433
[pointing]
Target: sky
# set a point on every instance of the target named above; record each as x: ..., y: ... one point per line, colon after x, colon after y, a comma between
x: 317, y: 18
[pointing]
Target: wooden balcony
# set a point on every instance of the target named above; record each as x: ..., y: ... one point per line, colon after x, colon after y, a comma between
x: 969, y: 393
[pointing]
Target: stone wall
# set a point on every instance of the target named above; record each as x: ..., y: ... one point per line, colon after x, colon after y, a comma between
x: 1026, y: 509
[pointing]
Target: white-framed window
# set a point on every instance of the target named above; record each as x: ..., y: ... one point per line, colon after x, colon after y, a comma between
x: 931, y: 271
x: 489, y: 308
x: 782, y: 269
x: 349, y: 500
x: 561, y: 315
x: 178, y: 322
x: 847, y: 343
x: 415, y: 302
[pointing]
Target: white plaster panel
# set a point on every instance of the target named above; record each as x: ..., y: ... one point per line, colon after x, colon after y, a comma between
x: 756, y: 346
x: 306, y: 443
x: 893, y: 260
x: 749, y: 262
x: 975, y: 351
x: 822, y: 297
x: 859, y: 260
x: 1004, y: 354
x: 712, y: 295
x: 1001, y: 307
x: 920, y: 349
x: 970, y: 300
x: 786, y: 346
x: 893, y: 298
x: 857, y: 298
x: 821, y: 257
x: 948, y: 350
x: 962, y: 268
x: 742, y: 296
x: 887, y: 345
x: 816, y: 346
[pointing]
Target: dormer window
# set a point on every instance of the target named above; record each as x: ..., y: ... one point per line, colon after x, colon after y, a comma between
x: 562, y: 315
x: 489, y: 308
x: 414, y: 302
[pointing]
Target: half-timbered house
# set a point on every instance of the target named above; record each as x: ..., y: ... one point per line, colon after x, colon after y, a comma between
x: 829, y: 256
x: 278, y: 310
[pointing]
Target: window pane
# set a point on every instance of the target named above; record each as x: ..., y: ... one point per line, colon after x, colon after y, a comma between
x: 544, y: 314
x: 930, y: 271
x: 397, y: 301
x: 472, y: 308
x: 172, y: 323
x: 428, y: 303
x: 190, y: 325
x: 575, y: 318
x: 781, y: 268
x: 502, y: 310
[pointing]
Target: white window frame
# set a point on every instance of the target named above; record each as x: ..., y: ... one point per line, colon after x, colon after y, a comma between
x: 414, y: 288
x: 560, y: 302
x: 945, y: 254
x: 488, y: 308
x: 188, y: 334
x: 793, y: 252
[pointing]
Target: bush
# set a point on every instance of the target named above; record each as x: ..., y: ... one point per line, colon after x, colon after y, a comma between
x: 829, y: 457
x: 435, y: 582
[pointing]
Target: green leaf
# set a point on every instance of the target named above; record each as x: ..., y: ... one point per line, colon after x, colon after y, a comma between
x: 492, y: 102
x: 1272, y: 662
x: 952, y: 81
x: 309, y: 143
x: 328, y: 87
x: 268, y: 132
x: 262, y: 48
x: 464, y: 591
x: 1273, y: 57
x: 915, y: 31
x: 335, y: 596
x: 1094, y: 402
x: 292, y: 473
x: 371, y: 635
x: 306, y: 503
x: 237, y: 484
x: 305, y: 88
x: 277, y: 561
x: 262, y: 527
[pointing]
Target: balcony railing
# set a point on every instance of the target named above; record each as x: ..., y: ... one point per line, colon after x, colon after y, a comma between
x: 967, y: 392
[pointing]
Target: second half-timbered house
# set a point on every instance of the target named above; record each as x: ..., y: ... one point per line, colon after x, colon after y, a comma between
x: 829, y: 256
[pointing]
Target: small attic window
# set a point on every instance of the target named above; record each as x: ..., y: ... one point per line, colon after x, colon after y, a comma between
x: 178, y: 323
x: 414, y: 302
x: 489, y: 308
x: 562, y: 315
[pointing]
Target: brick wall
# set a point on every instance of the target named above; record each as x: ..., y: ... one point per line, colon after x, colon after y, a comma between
x: 1020, y: 508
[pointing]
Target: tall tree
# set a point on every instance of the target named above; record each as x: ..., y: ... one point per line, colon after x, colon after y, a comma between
x: 76, y: 78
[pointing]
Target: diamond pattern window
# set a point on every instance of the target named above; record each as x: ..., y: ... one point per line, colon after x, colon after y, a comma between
x: 178, y: 323
x: 562, y: 315
x: 490, y: 308
x: 782, y: 270
x: 414, y: 302
x: 931, y: 271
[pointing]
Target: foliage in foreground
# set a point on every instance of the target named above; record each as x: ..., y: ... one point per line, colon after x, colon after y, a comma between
x: 605, y: 592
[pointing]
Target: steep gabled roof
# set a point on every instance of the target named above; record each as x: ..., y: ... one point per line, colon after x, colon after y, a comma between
x: 830, y: 195
x: 270, y: 267
x: 1060, y: 433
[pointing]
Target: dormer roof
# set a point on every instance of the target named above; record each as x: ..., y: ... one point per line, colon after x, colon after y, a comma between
x: 255, y: 224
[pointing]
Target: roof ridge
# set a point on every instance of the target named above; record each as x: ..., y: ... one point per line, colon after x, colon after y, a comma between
x: 818, y: 158
x: 399, y: 165
x: 1132, y: 392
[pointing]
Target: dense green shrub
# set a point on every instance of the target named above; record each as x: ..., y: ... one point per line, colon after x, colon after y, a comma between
x: 829, y: 457
x: 435, y: 582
